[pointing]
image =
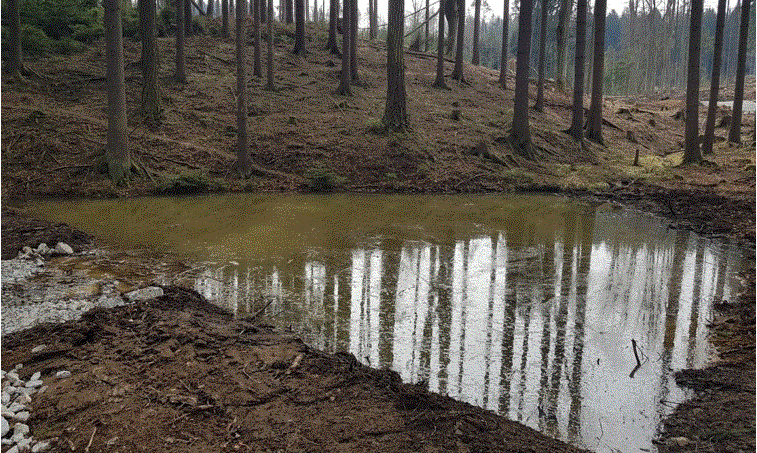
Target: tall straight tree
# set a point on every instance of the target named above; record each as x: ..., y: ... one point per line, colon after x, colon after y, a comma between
x: 440, y: 83
x: 289, y: 14
x: 594, y: 126
x: 561, y: 36
x: 331, y: 44
x: 181, y: 73
x: 425, y: 39
x: 353, y: 43
x: 150, y: 93
x: 224, y: 18
x: 395, y: 113
x: 457, y: 73
x: 117, y: 150
x: 577, y: 129
x: 188, y: 17
x: 738, y: 94
x: 476, y: 31
x: 257, y: 69
x: 299, y: 33
x: 373, y: 19
x: 344, y: 81
x: 691, y: 152
x: 15, y: 40
x: 269, y: 85
x: 262, y: 12
x: 542, y: 47
x: 717, y: 56
x: 244, y: 162
x: 520, y: 135
x: 505, y: 36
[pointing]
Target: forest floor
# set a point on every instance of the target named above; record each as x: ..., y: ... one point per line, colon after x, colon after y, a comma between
x: 302, y: 135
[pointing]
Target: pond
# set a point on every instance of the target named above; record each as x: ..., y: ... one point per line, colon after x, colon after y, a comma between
x: 525, y: 305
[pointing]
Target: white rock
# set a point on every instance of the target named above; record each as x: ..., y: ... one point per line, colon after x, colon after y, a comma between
x: 20, y: 428
x: 35, y: 376
x: 22, y: 416
x: 6, y: 441
x: 25, y: 444
x: 2, y: 373
x: 39, y: 447
x: 39, y: 348
x: 16, y: 407
x: 63, y: 248
x: 13, y: 449
x: 12, y: 376
x: 63, y: 374
x: 24, y: 399
x: 6, y: 398
x: 7, y: 414
x: 18, y: 366
x: 42, y: 389
x: 34, y: 383
x: 6, y: 427
x: 42, y: 249
x: 17, y: 437
x: 144, y: 293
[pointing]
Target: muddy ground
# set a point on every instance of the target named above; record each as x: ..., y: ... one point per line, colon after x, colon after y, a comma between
x: 187, y: 374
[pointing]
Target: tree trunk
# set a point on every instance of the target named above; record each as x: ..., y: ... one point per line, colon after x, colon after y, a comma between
x: 561, y: 36
x: 476, y: 32
x: 344, y: 81
x: 594, y: 131
x: 373, y: 19
x: 331, y: 44
x: 188, y: 18
x: 738, y: 92
x: 395, y: 114
x: 224, y: 19
x: 692, y: 152
x: 457, y: 73
x: 117, y: 151
x: 577, y: 128
x: 15, y: 40
x: 542, y: 48
x: 505, y: 36
x: 289, y: 13
x: 353, y: 43
x: 425, y: 39
x: 209, y: 11
x: 181, y: 74
x: 440, y: 83
x: 150, y: 92
x: 243, y: 163
x: 257, y: 69
x: 520, y: 136
x: 450, y: 12
x: 709, y: 130
x: 299, y: 33
x: 269, y: 85
x: 262, y: 13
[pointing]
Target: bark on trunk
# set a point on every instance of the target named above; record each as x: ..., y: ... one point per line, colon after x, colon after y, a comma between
x: 299, y: 34
x: 440, y: 83
x: 561, y: 36
x: 457, y: 73
x: 117, y: 151
x: 331, y: 44
x: 257, y: 69
x: 289, y: 13
x: 692, y: 152
x: 269, y: 85
x: 505, y: 37
x: 353, y: 43
x: 344, y: 83
x: 188, y: 18
x: 395, y: 113
x: 594, y: 131
x: 542, y: 47
x: 709, y: 130
x: 225, y: 19
x: 577, y: 128
x: 520, y: 136
x: 476, y: 31
x: 150, y: 92
x: 244, y: 163
x: 738, y: 99
x: 15, y: 39
x: 181, y: 74
x: 425, y: 39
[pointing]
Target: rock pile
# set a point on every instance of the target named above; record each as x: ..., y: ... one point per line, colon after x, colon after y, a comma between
x: 16, y: 410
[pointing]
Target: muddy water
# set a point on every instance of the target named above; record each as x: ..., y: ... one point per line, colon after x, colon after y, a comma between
x: 525, y: 305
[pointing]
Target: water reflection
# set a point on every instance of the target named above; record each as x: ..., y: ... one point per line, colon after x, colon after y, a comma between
x: 525, y: 309
x: 537, y: 331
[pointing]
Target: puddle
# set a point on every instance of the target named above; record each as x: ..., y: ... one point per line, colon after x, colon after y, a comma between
x: 525, y: 305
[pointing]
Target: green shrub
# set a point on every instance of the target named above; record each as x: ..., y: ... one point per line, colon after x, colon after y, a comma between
x: 322, y: 179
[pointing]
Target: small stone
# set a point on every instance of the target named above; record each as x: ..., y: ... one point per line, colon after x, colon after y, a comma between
x: 18, y: 366
x: 112, y: 441
x: 679, y: 441
x: 22, y: 416
x: 63, y: 374
x: 34, y: 383
x: 144, y: 293
x: 6, y: 441
x: 20, y: 428
x: 24, y: 399
x: 25, y: 444
x: 13, y: 449
x: 17, y: 437
x: 6, y: 398
x: 12, y: 376
x: 43, y: 249
x: 39, y: 348
x: 2, y: 373
x: 39, y: 447
x: 16, y: 407
x: 35, y: 376
x: 42, y: 389
x: 7, y: 414
x: 63, y: 249
x: 6, y: 427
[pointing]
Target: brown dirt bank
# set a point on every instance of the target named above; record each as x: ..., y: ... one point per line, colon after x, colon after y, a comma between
x: 176, y: 374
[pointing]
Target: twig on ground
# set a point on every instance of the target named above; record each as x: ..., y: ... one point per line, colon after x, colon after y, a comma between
x: 91, y: 438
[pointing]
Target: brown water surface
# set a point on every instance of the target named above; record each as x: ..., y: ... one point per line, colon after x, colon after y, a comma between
x: 525, y: 305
